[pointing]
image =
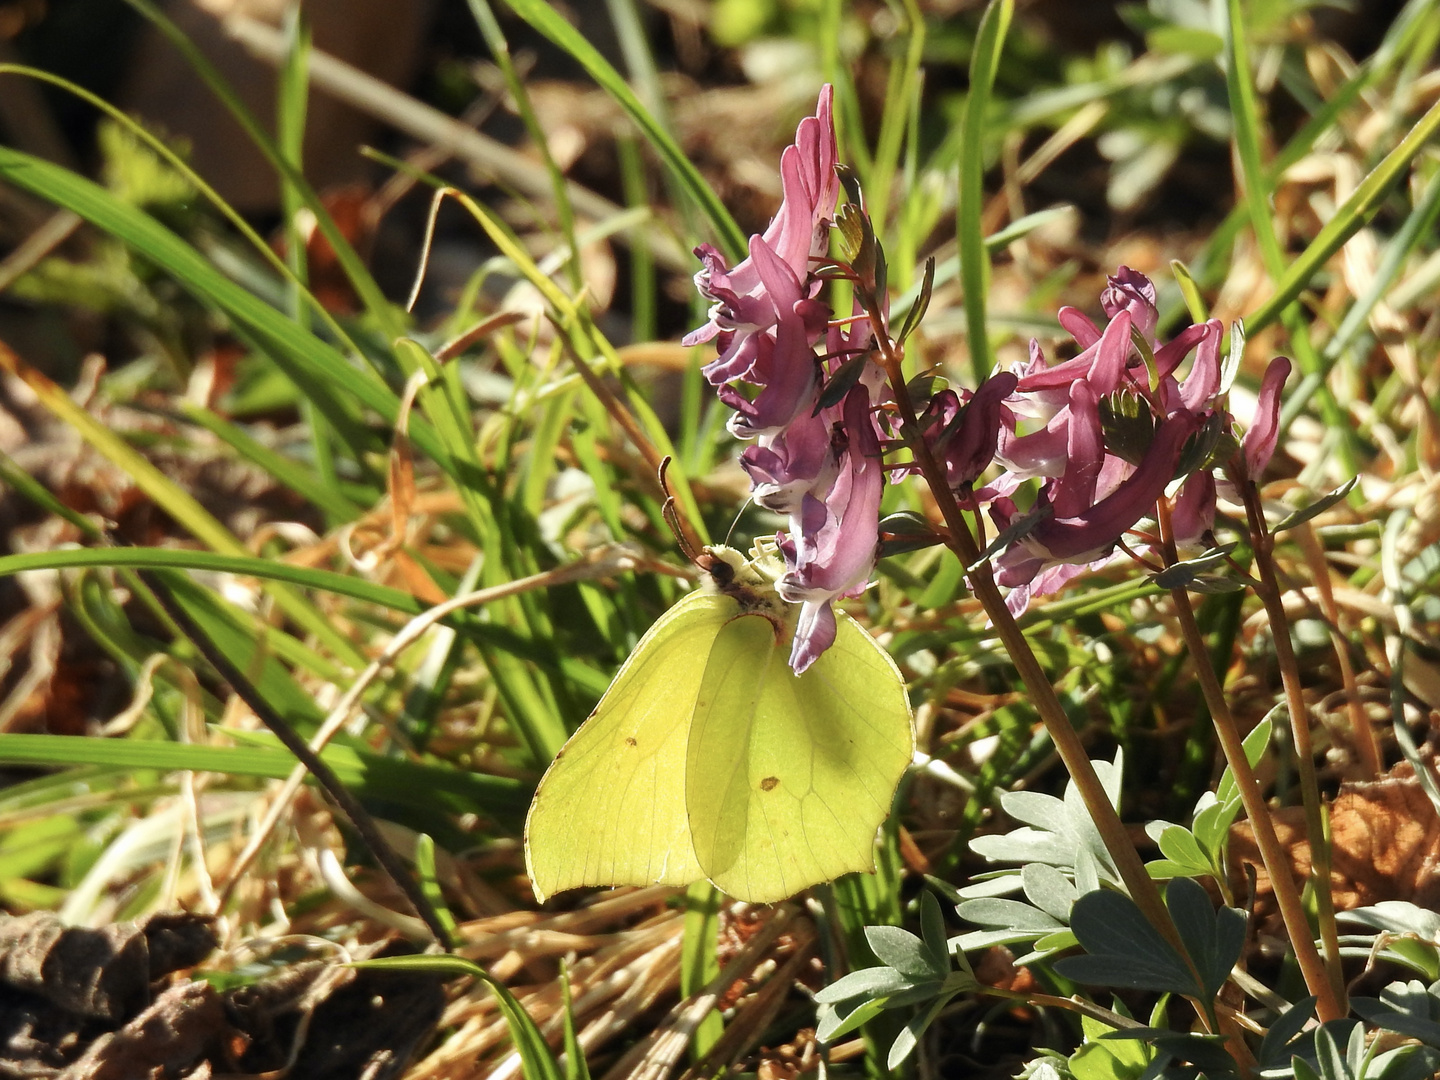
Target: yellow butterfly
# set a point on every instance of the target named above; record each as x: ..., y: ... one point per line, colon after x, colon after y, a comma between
x: 708, y: 758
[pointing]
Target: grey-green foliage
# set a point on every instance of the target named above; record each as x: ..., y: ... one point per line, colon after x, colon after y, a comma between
x: 1405, y: 934
x: 914, y: 971
x: 1123, y: 950
x: 1064, y: 859
x: 1057, y: 832
x: 1345, y: 1050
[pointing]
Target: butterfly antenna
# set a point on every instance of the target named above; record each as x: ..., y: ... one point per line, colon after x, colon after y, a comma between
x: 736, y: 522
x: 671, y: 513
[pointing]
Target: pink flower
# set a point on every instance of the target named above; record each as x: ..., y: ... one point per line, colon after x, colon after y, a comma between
x: 830, y: 551
x: 963, y: 429
x: 1258, y: 445
x: 797, y: 235
x: 1092, y: 532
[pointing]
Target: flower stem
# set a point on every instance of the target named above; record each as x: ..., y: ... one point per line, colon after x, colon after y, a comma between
x: 1287, y: 896
x: 1269, y: 589
x: 1360, y: 729
x: 1067, y: 742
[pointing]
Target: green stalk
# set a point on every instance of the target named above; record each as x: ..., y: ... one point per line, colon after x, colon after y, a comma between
x: 904, y: 73
x: 1269, y: 590
x: 500, y: 51
x: 1292, y: 911
x: 974, y: 258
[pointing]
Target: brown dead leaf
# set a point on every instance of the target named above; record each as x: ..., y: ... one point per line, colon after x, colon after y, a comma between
x: 102, y: 974
x: 65, y: 990
x: 1385, y: 846
x: 168, y: 1040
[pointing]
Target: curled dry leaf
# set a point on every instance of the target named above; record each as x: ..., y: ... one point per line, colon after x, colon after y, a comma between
x: 1386, y: 846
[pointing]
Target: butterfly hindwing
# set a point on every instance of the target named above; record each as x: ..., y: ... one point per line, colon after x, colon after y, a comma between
x: 788, y: 777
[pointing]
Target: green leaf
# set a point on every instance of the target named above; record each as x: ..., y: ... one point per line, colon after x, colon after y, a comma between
x: 1049, y: 890
x: 902, y: 951
x: 1178, y: 844
x: 1255, y: 743
x: 835, y: 1020
x: 871, y: 982
x: 1276, y: 1046
x: 1187, y: 573
x: 1233, y: 358
x: 1319, y: 506
x: 932, y: 933
x: 909, y: 1037
x: 1008, y: 915
x: 1124, y: 949
x: 1335, y: 1063
x: 1194, y: 302
x: 1214, y: 939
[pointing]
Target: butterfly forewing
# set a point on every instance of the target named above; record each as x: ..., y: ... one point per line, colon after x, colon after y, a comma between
x: 611, y: 808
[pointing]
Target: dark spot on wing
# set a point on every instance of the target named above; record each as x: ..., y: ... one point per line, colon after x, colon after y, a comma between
x: 770, y: 783
x: 630, y: 741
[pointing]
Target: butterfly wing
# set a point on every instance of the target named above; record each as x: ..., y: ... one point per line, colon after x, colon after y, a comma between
x: 610, y: 810
x: 788, y: 777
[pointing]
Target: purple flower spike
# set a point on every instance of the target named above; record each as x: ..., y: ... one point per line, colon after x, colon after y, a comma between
x: 784, y: 364
x: 1258, y: 445
x: 797, y: 234
x: 789, y: 464
x: 833, y: 541
x: 1090, y: 534
x: 1074, y: 492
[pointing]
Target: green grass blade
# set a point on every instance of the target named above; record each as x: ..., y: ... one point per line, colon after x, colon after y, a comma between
x: 500, y: 50
x: 1347, y: 220
x: 198, y: 182
x: 177, y: 502
x: 550, y: 23
x: 895, y: 121
x: 537, y: 1061
x: 306, y: 359
x: 214, y: 562
x: 244, y: 639
x: 1245, y: 111
x: 430, y: 884
x: 1419, y: 224
x: 698, y: 962
x: 974, y: 258
x: 381, y: 310
x: 286, y: 470
x: 290, y: 106
x: 368, y: 775
x: 576, y: 1067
